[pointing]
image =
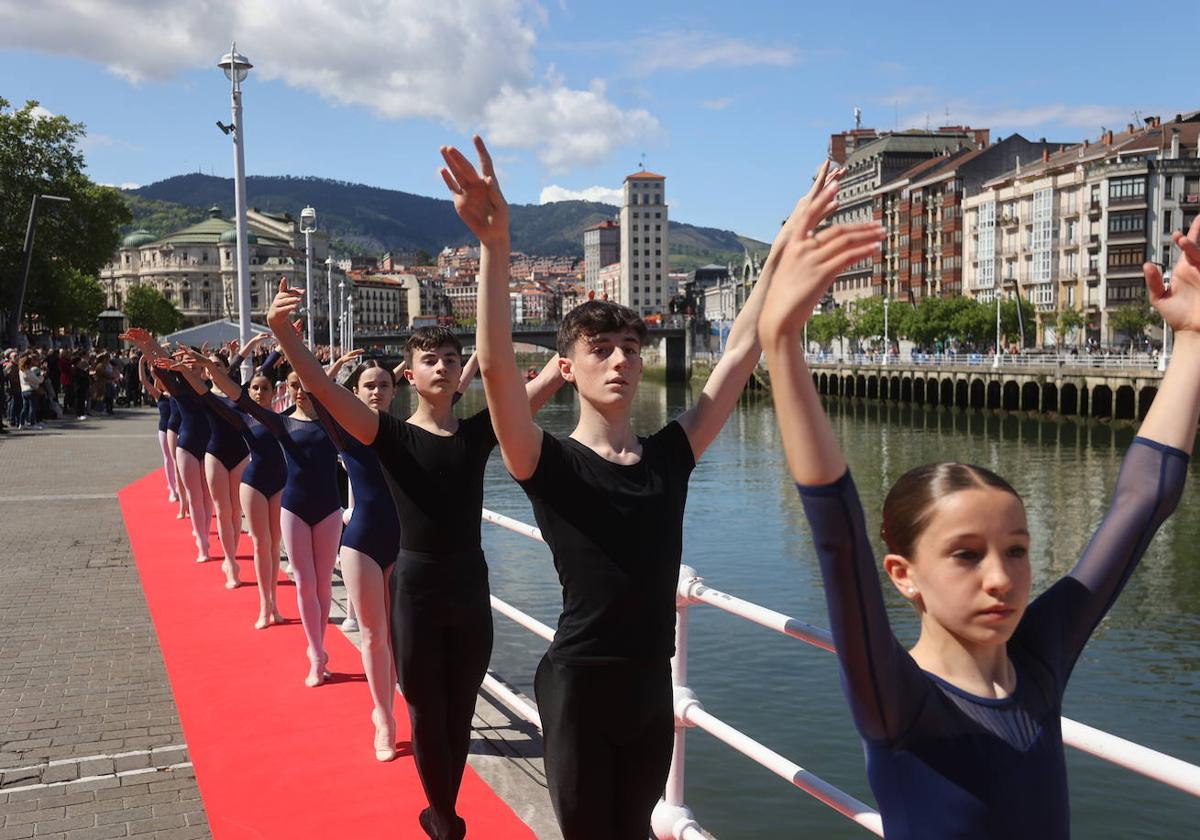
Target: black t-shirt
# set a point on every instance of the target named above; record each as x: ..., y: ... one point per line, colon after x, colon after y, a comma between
x: 436, y: 481
x: 617, y: 536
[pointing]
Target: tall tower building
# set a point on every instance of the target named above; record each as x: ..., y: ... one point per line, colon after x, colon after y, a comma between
x: 644, y: 246
x: 601, y: 247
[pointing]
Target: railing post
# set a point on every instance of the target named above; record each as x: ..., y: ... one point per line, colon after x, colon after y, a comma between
x: 672, y: 818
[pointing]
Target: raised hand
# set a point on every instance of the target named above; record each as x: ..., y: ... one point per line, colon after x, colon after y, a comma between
x: 287, y: 301
x: 822, y: 197
x: 1180, y: 304
x: 808, y: 262
x: 478, y: 200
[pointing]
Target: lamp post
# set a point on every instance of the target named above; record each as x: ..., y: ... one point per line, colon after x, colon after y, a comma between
x: 13, y: 327
x: 308, y: 223
x: 1165, y: 355
x: 887, y: 347
x: 342, y: 314
x: 236, y: 68
x: 996, y: 360
x: 329, y: 307
x: 349, y: 323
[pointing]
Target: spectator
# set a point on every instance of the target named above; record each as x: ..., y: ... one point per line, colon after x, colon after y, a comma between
x: 30, y: 377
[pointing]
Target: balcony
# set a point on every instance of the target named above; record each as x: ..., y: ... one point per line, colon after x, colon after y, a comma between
x: 1189, y: 200
x: 1093, y: 276
x: 1093, y: 242
x: 1069, y: 212
x: 1010, y: 221
x: 1094, y: 210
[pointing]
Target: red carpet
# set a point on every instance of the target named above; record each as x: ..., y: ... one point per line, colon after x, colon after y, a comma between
x: 273, y: 758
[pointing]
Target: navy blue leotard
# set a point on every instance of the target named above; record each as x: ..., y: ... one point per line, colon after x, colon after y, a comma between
x: 944, y: 763
x: 164, y: 412
x: 225, y: 442
x: 175, y: 417
x: 194, y: 426
x: 374, y: 527
x: 311, y: 490
x: 267, y: 471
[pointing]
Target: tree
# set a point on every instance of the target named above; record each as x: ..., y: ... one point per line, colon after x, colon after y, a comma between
x: 1009, y: 324
x: 867, y: 319
x: 146, y: 307
x: 40, y: 154
x: 1131, y: 319
x: 71, y: 300
x: 1071, y: 321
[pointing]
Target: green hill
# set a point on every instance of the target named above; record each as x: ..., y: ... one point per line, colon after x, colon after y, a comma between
x: 370, y: 220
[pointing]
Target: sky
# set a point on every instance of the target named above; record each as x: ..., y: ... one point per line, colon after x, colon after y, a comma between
x: 733, y: 101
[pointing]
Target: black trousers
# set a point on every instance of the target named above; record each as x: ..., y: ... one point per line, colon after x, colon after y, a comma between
x: 608, y: 731
x: 442, y: 642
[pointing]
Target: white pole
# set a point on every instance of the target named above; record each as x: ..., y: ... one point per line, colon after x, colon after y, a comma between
x: 887, y: 347
x: 239, y: 200
x: 350, y: 327
x: 1165, y: 355
x: 996, y: 361
x: 308, y: 302
x: 329, y: 306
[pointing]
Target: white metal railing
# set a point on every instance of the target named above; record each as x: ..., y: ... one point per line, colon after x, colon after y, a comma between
x: 673, y: 820
x: 1020, y: 361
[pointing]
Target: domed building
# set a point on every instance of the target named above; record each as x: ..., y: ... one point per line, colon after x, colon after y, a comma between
x: 196, y: 268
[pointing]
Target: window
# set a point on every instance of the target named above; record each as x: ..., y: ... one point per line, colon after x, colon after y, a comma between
x: 1131, y: 188
x: 658, y: 215
x: 1168, y: 186
x: 1126, y: 256
x: 1126, y: 223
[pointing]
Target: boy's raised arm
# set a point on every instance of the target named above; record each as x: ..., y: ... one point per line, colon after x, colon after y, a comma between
x: 482, y: 207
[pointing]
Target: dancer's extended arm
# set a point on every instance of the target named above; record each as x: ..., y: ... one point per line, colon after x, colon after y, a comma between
x: 355, y: 416
x: 482, y: 207
x: 705, y: 419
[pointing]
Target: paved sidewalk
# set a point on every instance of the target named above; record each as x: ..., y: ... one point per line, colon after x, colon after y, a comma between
x: 90, y: 742
x: 90, y: 745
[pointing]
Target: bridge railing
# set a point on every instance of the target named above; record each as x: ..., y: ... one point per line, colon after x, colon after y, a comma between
x: 1024, y: 361
x: 673, y: 820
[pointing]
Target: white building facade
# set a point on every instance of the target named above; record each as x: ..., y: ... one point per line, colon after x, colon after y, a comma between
x: 645, y: 263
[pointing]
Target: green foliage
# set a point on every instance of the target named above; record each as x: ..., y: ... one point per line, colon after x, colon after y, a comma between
x: 1010, y: 326
x: 867, y: 318
x: 40, y: 155
x: 160, y: 217
x: 1131, y: 320
x: 146, y: 307
x: 70, y: 300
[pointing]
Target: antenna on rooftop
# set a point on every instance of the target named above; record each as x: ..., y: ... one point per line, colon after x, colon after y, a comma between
x: 642, y: 166
x: 857, y: 118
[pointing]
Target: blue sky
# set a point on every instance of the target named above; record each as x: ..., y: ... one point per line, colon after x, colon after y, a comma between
x: 732, y: 101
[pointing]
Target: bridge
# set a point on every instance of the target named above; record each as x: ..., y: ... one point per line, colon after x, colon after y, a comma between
x: 1104, y: 387
x: 676, y: 340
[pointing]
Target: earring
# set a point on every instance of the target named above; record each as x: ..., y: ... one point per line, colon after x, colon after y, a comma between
x: 912, y: 590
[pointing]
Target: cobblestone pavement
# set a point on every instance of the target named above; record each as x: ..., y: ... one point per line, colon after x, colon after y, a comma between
x: 90, y: 743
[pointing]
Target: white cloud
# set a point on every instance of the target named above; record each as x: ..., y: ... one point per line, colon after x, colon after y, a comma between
x: 717, y: 104
x: 565, y: 126
x: 465, y: 62
x: 696, y: 50
x: 554, y: 193
x: 40, y: 113
x: 127, y: 185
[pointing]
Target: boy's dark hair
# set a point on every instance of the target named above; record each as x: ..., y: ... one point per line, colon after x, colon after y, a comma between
x: 430, y: 338
x: 594, y: 317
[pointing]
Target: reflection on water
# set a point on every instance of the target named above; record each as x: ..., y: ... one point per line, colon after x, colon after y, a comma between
x: 746, y: 534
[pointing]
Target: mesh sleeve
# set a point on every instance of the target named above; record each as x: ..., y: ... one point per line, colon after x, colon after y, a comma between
x: 884, y: 686
x: 1147, y: 492
x: 226, y: 411
x: 268, y: 418
x: 341, y: 439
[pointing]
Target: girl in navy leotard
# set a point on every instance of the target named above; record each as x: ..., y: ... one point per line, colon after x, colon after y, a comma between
x: 189, y: 453
x: 311, y: 509
x: 225, y: 458
x: 962, y: 732
x: 163, y: 402
x: 262, y: 482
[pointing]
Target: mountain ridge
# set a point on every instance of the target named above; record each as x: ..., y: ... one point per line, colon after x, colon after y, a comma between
x: 368, y: 219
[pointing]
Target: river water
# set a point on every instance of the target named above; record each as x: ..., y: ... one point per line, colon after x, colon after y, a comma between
x: 746, y: 535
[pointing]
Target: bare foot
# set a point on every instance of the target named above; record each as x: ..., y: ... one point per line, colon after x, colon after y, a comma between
x: 277, y: 618
x: 385, y: 736
x: 231, y: 575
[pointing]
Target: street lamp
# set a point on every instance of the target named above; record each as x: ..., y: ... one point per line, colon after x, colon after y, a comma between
x: 887, y: 347
x: 329, y: 307
x: 996, y: 360
x: 1165, y: 355
x: 308, y: 223
x: 349, y: 323
x: 12, y: 328
x: 236, y: 68
x: 342, y: 314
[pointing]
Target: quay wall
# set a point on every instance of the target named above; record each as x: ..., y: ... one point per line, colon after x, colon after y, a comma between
x: 1106, y: 394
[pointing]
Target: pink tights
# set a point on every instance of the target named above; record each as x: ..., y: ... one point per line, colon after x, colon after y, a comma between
x: 168, y: 465
x: 312, y: 550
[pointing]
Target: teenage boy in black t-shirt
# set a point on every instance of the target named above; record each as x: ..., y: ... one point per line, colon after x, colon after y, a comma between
x: 433, y: 464
x: 610, y: 505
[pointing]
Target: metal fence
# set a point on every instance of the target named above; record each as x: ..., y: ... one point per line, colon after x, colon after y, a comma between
x: 1025, y: 361
x: 673, y: 820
